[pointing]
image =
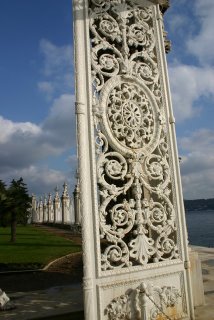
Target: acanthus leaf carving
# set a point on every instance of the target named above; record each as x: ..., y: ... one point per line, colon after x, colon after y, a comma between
x: 136, y: 212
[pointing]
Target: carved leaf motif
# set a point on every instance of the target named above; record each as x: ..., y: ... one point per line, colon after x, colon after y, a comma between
x: 136, y: 204
x: 142, y: 248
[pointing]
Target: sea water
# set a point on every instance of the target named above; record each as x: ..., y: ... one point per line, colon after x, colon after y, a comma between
x: 200, y: 226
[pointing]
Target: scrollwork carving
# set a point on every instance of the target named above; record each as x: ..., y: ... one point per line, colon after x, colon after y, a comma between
x: 136, y: 210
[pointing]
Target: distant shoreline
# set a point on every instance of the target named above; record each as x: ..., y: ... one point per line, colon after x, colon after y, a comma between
x: 199, y: 209
x: 199, y: 204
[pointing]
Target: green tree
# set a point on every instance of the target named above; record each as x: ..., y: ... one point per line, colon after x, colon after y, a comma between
x: 3, y: 192
x: 18, y: 204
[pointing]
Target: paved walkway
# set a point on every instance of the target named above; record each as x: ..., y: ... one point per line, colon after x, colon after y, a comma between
x: 44, y: 303
x: 206, y: 255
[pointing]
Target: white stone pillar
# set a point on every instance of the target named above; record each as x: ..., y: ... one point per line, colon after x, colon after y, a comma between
x: 71, y: 212
x: 56, y: 203
x: 34, y: 217
x: 65, y: 203
x: 50, y: 208
x: 40, y: 210
x: 82, y: 67
x: 45, y: 210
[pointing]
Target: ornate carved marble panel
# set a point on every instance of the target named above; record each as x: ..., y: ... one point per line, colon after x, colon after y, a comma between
x: 132, y: 212
x: 137, y: 215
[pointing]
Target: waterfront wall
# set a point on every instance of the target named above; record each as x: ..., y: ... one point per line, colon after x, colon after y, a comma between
x: 62, y: 209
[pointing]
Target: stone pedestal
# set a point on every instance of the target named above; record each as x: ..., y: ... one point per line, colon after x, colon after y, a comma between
x: 196, y: 277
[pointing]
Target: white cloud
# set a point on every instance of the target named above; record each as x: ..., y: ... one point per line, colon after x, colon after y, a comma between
x: 56, y: 58
x: 200, y: 141
x: 57, y: 70
x: 59, y: 127
x: 26, y: 146
x: 72, y: 160
x: 192, y: 83
x: 197, y: 165
x: 202, y: 44
x: 177, y: 22
x: 41, y: 179
x: 8, y: 128
x: 188, y: 84
x: 47, y: 88
x: 23, y: 144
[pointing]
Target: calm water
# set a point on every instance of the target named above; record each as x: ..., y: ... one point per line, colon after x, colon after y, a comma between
x: 200, y: 225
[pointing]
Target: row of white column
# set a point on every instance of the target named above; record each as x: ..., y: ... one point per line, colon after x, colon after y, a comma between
x: 59, y: 210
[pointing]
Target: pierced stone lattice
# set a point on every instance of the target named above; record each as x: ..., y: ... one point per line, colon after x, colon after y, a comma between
x: 137, y: 218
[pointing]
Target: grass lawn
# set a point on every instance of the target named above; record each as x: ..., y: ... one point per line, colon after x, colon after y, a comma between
x: 34, y: 248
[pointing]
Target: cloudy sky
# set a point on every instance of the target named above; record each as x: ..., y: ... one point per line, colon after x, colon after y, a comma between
x: 37, y: 125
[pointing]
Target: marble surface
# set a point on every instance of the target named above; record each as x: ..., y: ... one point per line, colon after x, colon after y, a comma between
x: 206, y: 256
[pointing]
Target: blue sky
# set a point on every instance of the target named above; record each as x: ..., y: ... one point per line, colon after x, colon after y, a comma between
x: 37, y: 125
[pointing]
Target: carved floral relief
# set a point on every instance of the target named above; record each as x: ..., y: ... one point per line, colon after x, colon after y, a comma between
x: 136, y: 211
x: 146, y: 302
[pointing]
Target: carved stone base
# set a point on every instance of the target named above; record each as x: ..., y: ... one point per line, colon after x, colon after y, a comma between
x: 144, y: 299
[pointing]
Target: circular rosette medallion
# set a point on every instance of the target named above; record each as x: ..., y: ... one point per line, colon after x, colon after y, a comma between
x: 130, y: 116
